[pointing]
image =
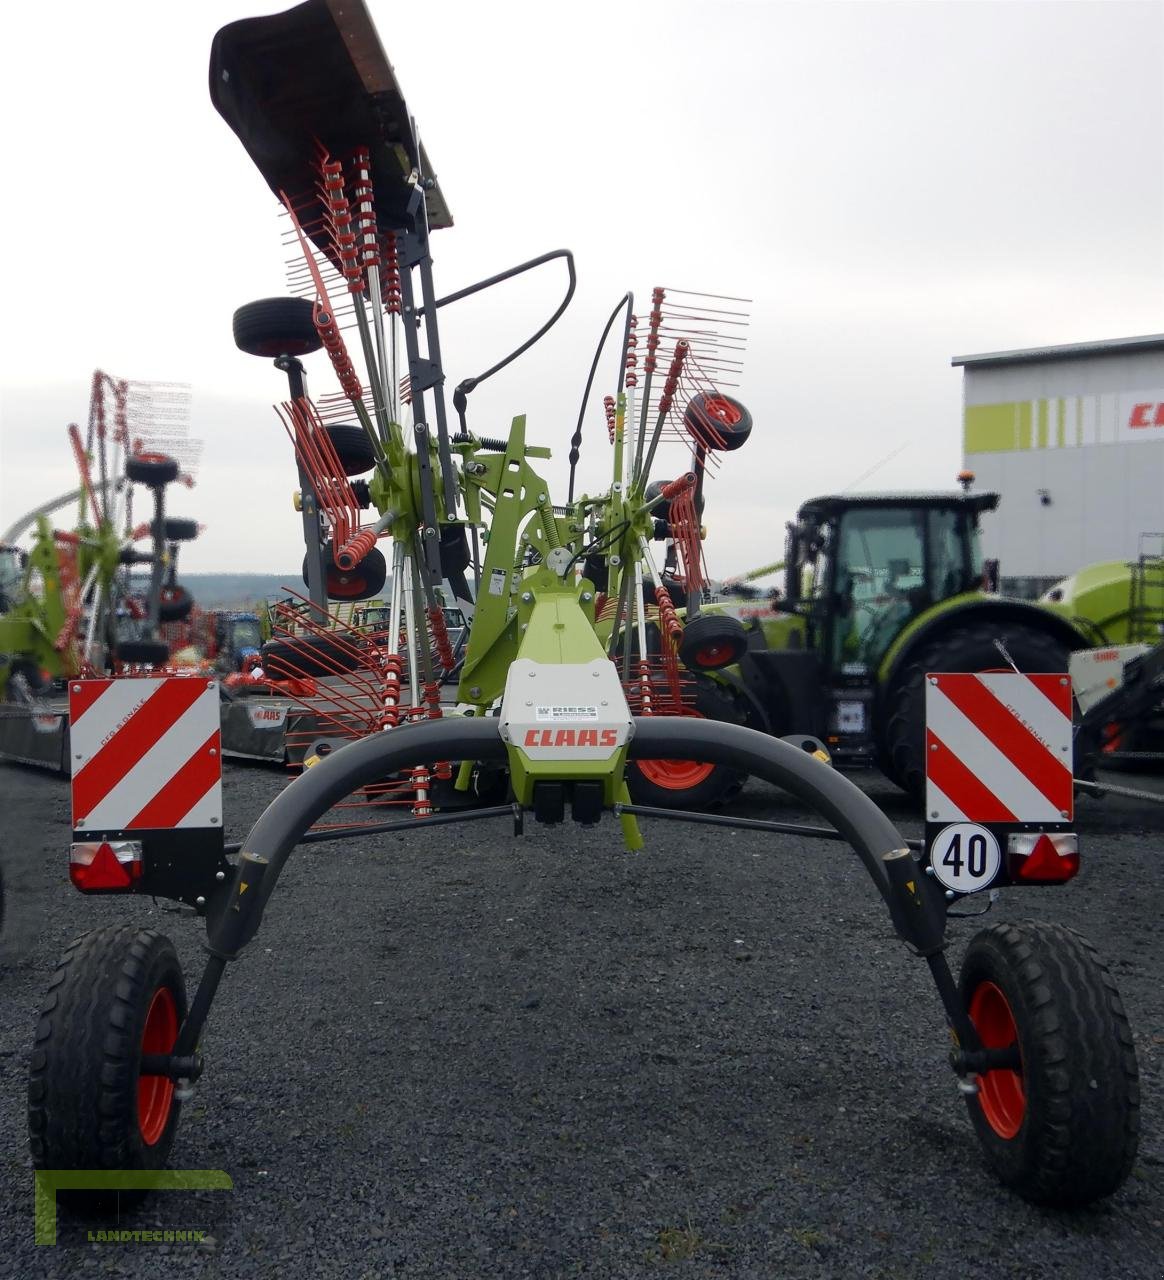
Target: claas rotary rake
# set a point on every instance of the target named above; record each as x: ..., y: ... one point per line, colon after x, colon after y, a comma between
x: 561, y: 692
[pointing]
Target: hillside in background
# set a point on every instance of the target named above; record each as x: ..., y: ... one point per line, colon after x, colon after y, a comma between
x: 237, y: 590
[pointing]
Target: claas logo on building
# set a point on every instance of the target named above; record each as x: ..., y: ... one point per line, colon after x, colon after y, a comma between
x: 1146, y: 415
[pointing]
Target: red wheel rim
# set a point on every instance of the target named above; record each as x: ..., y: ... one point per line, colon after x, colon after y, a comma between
x: 1001, y: 1094
x: 675, y: 775
x: 155, y: 1094
x: 722, y: 410
x: 714, y: 655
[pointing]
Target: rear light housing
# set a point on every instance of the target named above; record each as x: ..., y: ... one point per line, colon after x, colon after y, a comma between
x: 106, y: 866
x: 1042, y: 857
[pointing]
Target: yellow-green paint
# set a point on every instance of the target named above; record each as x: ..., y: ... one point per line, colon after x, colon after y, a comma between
x: 1024, y: 424
x: 1061, y: 424
x: 1078, y: 420
x: 1041, y: 423
x: 990, y: 428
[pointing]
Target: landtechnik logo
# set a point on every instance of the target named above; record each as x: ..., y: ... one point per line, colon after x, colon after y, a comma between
x: 50, y: 1181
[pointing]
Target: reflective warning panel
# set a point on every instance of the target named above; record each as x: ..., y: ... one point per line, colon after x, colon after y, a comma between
x: 998, y: 748
x: 146, y: 753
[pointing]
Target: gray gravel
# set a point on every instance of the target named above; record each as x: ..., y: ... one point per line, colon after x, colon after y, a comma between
x: 465, y: 1055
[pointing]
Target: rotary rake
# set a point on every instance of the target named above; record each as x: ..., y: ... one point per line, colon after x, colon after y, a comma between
x: 558, y: 690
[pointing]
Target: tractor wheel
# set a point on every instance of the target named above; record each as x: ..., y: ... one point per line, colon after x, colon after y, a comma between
x: 276, y: 327
x: 117, y: 994
x: 712, y: 641
x: 175, y: 604
x: 309, y: 656
x: 1062, y: 1129
x: 969, y: 648
x: 690, y: 784
x: 363, y: 582
x: 153, y: 469
x: 153, y: 653
x: 174, y: 530
x: 716, y: 421
x: 352, y: 447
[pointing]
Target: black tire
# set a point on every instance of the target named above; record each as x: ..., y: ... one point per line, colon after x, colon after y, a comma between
x: 175, y: 604
x: 308, y: 656
x: 105, y: 1006
x: 712, y: 641
x: 968, y: 648
x: 352, y: 446
x: 274, y: 327
x: 1064, y: 1129
x: 180, y: 530
x: 717, y: 422
x: 682, y: 784
x: 362, y: 582
x: 155, y: 653
x: 153, y: 469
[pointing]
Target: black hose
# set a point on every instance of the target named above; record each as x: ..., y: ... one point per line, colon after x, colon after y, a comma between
x: 627, y: 300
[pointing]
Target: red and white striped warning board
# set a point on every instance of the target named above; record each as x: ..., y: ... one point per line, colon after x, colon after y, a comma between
x: 998, y: 747
x: 146, y: 753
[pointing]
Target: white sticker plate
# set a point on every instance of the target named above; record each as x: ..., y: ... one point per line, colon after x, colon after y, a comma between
x: 965, y: 857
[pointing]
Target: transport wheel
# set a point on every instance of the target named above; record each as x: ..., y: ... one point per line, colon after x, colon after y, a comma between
x: 717, y: 421
x: 352, y: 447
x: 712, y: 641
x: 276, y: 327
x: 969, y: 648
x: 152, y: 652
x: 309, y: 656
x: 154, y: 469
x: 174, y: 605
x: 690, y: 784
x: 362, y: 582
x: 175, y: 530
x: 117, y: 994
x: 1062, y: 1128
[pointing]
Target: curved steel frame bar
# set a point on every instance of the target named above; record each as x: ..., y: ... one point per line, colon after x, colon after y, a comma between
x: 914, y: 904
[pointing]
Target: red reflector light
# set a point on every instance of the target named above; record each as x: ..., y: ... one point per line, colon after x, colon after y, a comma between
x: 1042, y: 857
x: 105, y: 866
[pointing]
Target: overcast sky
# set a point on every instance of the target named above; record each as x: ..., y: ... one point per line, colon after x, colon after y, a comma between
x: 890, y: 183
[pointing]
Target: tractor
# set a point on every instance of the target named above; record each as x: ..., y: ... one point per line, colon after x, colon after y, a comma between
x: 880, y: 589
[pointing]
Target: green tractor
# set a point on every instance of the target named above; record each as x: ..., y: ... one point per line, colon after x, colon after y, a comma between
x: 880, y: 589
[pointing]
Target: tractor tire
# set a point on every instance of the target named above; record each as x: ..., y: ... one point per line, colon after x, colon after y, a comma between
x: 274, y: 327
x: 117, y: 994
x: 175, y: 604
x: 154, y: 653
x: 1063, y: 1129
x: 308, y: 656
x: 364, y: 581
x: 712, y: 641
x: 352, y: 447
x: 968, y: 648
x: 174, y: 530
x: 690, y: 784
x: 717, y: 422
x: 153, y: 469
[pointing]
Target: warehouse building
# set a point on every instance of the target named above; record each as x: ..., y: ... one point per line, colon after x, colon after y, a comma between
x: 1072, y: 437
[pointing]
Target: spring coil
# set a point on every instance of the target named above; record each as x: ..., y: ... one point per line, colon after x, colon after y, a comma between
x: 440, y: 637
x: 669, y: 623
x: 333, y: 344
x: 390, y: 288
x: 608, y: 406
x: 351, y: 553
x: 672, y: 383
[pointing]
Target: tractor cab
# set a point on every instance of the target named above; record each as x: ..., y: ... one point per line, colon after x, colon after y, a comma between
x: 859, y: 569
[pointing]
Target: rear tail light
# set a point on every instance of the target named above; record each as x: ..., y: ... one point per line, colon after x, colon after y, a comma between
x: 105, y: 866
x: 1042, y: 857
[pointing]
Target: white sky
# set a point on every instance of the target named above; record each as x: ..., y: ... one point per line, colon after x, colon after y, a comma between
x: 892, y: 184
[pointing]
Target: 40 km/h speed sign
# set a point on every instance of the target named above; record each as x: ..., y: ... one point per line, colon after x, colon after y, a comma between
x: 998, y: 762
x: 965, y: 857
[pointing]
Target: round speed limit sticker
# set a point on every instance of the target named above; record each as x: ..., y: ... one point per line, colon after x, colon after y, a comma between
x: 965, y: 857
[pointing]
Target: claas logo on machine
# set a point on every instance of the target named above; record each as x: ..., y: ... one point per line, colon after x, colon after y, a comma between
x: 571, y: 738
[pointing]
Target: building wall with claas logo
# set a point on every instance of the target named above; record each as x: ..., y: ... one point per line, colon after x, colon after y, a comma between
x: 1072, y: 437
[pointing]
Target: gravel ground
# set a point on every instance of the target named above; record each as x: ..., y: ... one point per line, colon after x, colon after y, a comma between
x: 464, y: 1055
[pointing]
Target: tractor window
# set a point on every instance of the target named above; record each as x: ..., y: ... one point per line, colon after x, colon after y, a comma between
x: 947, y: 570
x: 881, y: 581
